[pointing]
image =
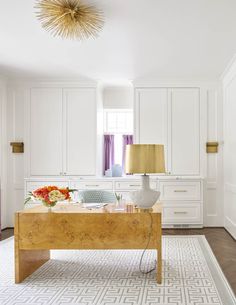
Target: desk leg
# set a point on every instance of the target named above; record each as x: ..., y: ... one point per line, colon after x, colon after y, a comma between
x: 28, y: 261
x: 159, y: 265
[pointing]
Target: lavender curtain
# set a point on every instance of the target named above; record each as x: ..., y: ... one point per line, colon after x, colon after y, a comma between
x: 127, y: 139
x: 108, y: 151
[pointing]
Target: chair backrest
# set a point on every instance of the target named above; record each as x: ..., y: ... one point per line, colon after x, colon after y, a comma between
x: 89, y: 196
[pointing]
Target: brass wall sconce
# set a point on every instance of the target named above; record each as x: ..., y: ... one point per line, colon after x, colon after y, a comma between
x: 212, y: 147
x: 17, y: 147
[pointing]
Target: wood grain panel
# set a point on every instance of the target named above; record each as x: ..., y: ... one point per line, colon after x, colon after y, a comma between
x: 27, y: 261
x: 72, y: 227
x: 87, y: 231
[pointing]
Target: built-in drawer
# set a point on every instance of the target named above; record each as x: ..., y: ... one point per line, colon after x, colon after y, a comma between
x: 180, y: 190
x: 182, y: 214
x: 93, y: 185
x: 132, y: 185
x: 34, y: 185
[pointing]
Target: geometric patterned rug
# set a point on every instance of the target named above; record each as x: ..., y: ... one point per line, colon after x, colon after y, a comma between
x: 191, y: 276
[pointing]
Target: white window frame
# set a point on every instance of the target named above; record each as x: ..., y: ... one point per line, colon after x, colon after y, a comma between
x: 105, y: 127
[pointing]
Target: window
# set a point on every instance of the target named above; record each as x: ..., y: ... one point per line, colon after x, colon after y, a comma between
x: 118, y: 122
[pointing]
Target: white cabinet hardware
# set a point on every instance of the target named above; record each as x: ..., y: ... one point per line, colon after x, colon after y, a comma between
x: 97, y: 185
x: 180, y: 212
x: 132, y: 185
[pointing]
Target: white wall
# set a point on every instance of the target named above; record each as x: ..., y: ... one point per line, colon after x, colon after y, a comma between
x: 229, y: 84
x: 3, y: 152
x: 213, y: 208
x: 15, y: 161
x: 118, y: 97
x: 99, y: 130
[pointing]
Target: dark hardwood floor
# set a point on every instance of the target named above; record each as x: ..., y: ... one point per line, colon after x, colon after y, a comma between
x: 221, y: 242
x: 7, y: 233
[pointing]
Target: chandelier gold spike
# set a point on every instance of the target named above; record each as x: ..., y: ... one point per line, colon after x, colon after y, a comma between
x: 70, y: 18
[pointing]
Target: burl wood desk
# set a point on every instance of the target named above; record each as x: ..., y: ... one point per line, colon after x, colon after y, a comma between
x: 73, y: 227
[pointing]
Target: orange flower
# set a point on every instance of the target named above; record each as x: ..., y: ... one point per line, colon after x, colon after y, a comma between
x: 43, y: 193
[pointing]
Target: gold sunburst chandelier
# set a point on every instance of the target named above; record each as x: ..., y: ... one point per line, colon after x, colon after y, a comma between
x: 70, y: 18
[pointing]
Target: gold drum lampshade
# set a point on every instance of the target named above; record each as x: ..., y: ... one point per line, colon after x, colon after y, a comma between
x: 145, y: 159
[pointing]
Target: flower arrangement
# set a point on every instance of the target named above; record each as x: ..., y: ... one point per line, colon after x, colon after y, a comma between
x: 50, y: 195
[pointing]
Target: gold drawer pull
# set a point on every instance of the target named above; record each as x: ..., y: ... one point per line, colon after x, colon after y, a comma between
x: 89, y: 185
x: 180, y: 191
x: 183, y: 212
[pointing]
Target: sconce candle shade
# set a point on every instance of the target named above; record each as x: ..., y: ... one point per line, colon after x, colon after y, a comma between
x: 145, y: 159
x: 17, y: 147
x: 212, y: 147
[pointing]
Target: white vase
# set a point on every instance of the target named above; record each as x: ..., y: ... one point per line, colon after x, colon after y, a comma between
x: 146, y: 197
x: 116, y: 170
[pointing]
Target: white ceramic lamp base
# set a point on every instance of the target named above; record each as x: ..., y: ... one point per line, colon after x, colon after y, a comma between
x: 146, y: 197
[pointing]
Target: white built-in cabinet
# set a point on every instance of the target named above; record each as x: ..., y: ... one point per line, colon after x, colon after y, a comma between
x: 80, y: 132
x: 181, y: 198
x: 46, y: 131
x: 184, y: 131
x: 171, y: 116
x: 152, y: 125
x: 57, y: 123
x: 62, y: 139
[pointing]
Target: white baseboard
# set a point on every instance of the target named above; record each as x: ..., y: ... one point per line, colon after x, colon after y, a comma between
x: 230, y: 226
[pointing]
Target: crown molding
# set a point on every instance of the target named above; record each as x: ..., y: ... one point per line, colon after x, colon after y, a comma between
x: 148, y: 83
x: 52, y: 83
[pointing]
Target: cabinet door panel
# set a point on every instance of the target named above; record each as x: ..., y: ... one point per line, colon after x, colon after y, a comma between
x: 185, y: 131
x: 80, y: 131
x: 153, y: 120
x: 46, y: 131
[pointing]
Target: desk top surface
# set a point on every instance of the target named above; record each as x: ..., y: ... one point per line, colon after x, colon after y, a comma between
x: 78, y: 208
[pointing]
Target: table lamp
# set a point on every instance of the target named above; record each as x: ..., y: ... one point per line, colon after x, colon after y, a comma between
x: 145, y: 159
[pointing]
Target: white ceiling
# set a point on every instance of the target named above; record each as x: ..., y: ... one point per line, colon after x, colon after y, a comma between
x: 141, y: 39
